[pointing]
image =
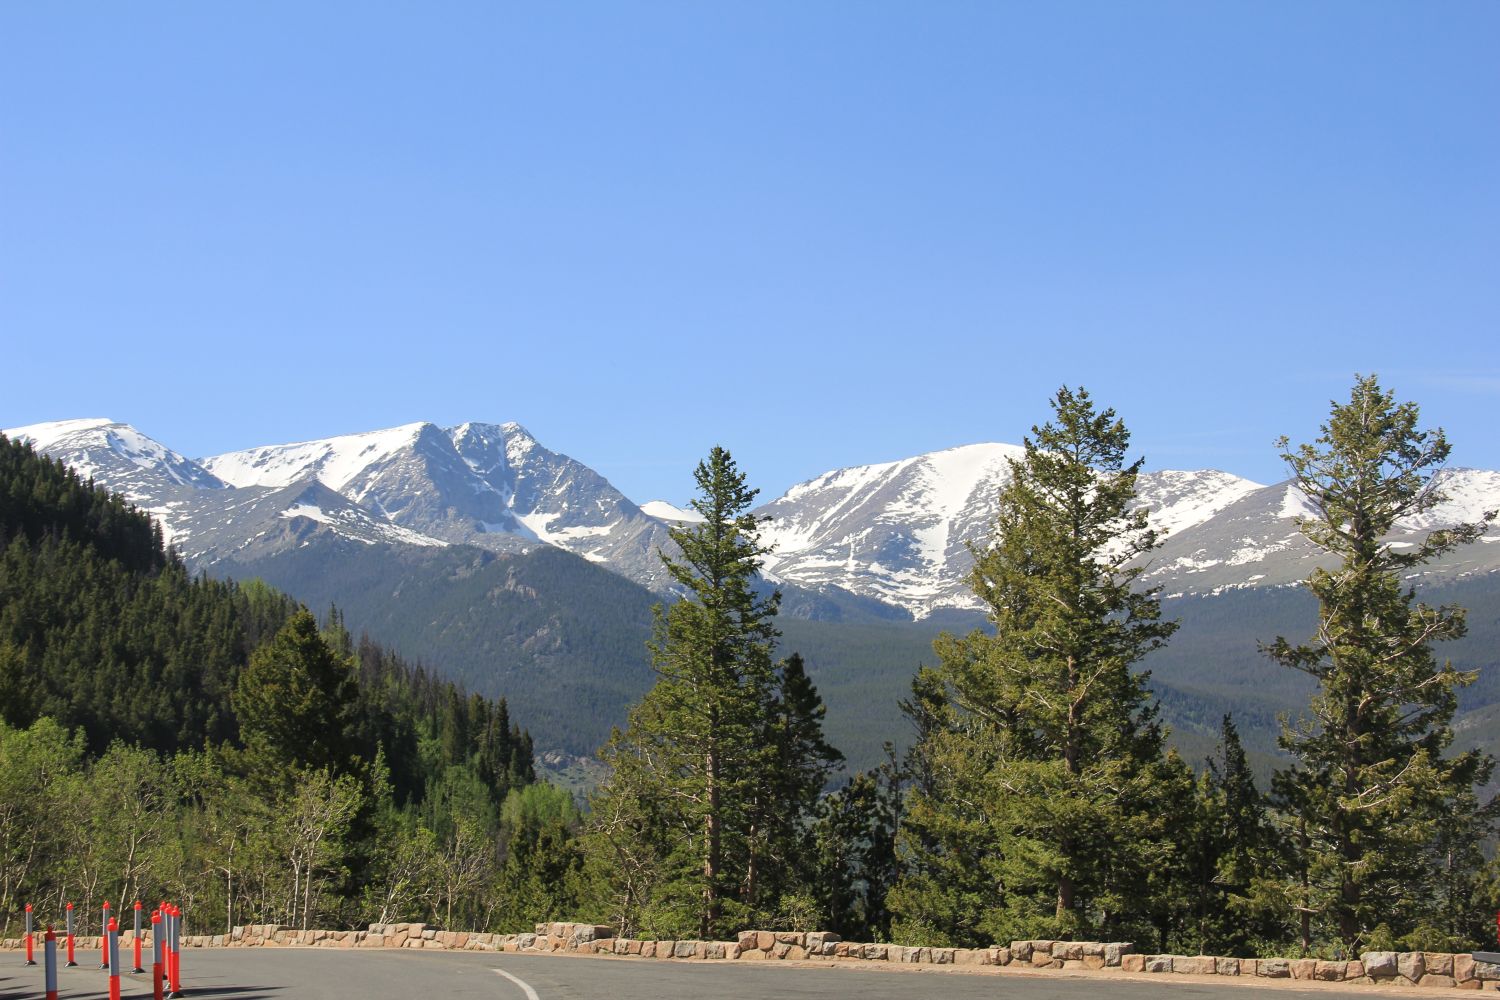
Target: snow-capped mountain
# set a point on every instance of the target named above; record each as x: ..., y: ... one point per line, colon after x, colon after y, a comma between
x: 901, y: 531
x: 897, y: 532
x: 490, y: 485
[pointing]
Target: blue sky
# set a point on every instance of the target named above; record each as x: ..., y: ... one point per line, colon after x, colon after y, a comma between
x: 821, y: 234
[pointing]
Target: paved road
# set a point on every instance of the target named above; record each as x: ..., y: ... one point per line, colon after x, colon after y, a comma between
x: 283, y: 974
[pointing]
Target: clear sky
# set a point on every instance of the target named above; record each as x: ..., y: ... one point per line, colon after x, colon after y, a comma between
x: 821, y: 234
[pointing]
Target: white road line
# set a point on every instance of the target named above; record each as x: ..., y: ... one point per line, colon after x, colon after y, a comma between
x: 525, y: 987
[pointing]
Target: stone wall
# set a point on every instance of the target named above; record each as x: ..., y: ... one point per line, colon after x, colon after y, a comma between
x: 1374, y: 967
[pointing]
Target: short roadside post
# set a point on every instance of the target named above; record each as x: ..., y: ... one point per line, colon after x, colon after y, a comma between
x: 112, y: 938
x: 104, y: 937
x: 49, y: 956
x: 71, y: 963
x: 137, y: 968
x: 29, y: 959
x: 174, y: 959
x: 156, y: 952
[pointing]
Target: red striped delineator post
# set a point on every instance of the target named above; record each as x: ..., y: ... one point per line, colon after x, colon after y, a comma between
x: 71, y: 963
x: 49, y: 956
x: 104, y: 937
x: 174, y: 959
x: 137, y: 970
x: 29, y: 959
x: 113, y: 940
x: 156, y: 950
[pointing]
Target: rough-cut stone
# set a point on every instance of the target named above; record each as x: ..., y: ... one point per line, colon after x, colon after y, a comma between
x: 1380, y: 964
x: 1093, y: 962
x: 971, y: 956
x: 1487, y: 970
x: 1354, y: 970
x: 1412, y: 965
x: 1093, y: 949
x: 1329, y: 972
x: 1020, y: 951
x: 795, y: 953
x: 1432, y: 979
x: 1133, y: 963
x: 1003, y: 956
x: 717, y: 949
x: 765, y: 940
x: 942, y: 956
x: 876, y: 952
x: 1438, y: 963
x: 1304, y: 968
x: 1158, y: 963
x: 1043, y: 960
x: 1463, y: 968
x: 790, y: 937
x: 1273, y: 968
x: 1193, y: 965
x: 1068, y: 951
x: 1226, y: 967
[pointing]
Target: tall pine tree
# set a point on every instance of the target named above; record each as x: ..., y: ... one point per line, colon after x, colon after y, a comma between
x: 701, y: 795
x: 1371, y: 791
x: 1041, y: 754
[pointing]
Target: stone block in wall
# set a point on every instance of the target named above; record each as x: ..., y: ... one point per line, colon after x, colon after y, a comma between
x: 1044, y: 960
x: 821, y: 942
x: 666, y: 949
x: 1114, y: 951
x: 648, y: 949
x: 1133, y: 963
x: 877, y: 952
x: 794, y: 952
x: 1003, y: 956
x: 1380, y: 964
x: 718, y: 949
x: 1193, y: 965
x: 1463, y: 968
x: 1020, y: 951
x: 1093, y: 949
x: 1432, y: 979
x: 1412, y: 965
x: 1158, y: 963
x: 1329, y: 972
x: 1067, y: 951
x: 971, y: 956
x: 1354, y: 970
x: 1304, y: 968
x: 1438, y: 963
x: 1487, y: 971
x: 765, y: 940
x: 1072, y: 964
x: 1273, y: 968
x: 791, y: 937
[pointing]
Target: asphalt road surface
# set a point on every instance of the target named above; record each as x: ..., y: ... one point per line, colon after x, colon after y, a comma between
x: 284, y: 974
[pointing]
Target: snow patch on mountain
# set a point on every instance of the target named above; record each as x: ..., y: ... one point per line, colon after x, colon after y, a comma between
x: 664, y: 511
x: 335, y: 461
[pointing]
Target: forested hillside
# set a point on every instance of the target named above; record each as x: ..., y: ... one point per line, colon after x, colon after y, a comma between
x: 165, y: 735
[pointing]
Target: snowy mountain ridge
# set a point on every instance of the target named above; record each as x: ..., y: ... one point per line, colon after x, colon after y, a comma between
x: 899, y: 532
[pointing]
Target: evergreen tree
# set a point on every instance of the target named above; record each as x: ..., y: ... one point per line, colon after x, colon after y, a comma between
x: 295, y: 700
x: 1044, y: 755
x: 686, y: 820
x: 1370, y: 790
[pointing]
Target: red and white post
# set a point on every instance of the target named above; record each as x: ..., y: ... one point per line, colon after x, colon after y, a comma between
x: 104, y: 937
x: 174, y: 960
x: 156, y: 956
x: 137, y: 970
x: 49, y: 956
x: 29, y: 959
x: 112, y: 939
x: 71, y: 963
